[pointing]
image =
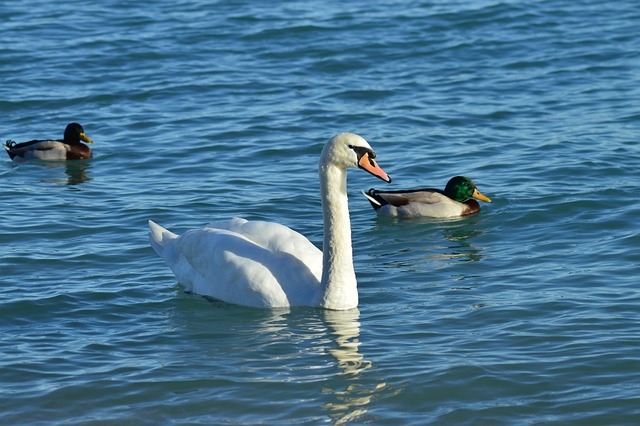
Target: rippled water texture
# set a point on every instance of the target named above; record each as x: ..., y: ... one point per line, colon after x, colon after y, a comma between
x: 526, y: 313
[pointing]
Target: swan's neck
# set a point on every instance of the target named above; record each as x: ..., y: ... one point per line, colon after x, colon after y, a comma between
x: 338, y: 277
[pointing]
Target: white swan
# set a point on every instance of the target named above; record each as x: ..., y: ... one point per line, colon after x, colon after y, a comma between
x: 264, y: 264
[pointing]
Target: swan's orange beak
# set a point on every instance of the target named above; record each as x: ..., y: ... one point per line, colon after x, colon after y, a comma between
x: 369, y: 164
x: 476, y: 194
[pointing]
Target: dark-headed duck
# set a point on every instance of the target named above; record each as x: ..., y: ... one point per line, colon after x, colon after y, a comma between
x: 69, y: 148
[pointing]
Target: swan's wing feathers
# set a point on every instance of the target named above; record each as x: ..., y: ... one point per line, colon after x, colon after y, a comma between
x: 226, y: 266
x: 223, y: 261
x: 277, y: 239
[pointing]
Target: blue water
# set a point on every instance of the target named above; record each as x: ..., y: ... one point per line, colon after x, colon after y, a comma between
x: 524, y: 314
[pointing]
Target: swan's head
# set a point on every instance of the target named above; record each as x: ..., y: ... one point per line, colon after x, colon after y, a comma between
x: 348, y: 150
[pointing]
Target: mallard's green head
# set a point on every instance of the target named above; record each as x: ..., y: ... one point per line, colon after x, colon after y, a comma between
x: 74, y: 133
x: 460, y: 189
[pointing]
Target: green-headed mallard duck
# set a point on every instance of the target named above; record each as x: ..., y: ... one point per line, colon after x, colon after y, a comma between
x: 455, y: 200
x: 69, y: 148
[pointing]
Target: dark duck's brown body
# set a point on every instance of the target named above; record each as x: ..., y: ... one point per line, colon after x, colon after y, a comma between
x: 69, y: 148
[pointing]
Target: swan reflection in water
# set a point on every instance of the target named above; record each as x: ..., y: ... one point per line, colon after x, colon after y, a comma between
x: 317, y: 349
x: 345, y: 328
x: 347, y: 391
x: 352, y: 400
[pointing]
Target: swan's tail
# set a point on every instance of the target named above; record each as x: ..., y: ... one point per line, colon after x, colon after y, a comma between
x: 159, y: 238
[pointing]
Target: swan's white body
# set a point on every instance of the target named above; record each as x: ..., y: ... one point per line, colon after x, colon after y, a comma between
x: 265, y: 264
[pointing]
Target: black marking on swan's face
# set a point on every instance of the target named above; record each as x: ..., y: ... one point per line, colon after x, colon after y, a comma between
x: 361, y: 151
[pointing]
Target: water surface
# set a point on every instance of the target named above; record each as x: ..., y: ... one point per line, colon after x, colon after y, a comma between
x: 523, y: 314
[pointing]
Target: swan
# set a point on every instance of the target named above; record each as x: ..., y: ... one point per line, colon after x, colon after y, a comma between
x: 69, y: 148
x: 268, y: 265
x: 455, y: 200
